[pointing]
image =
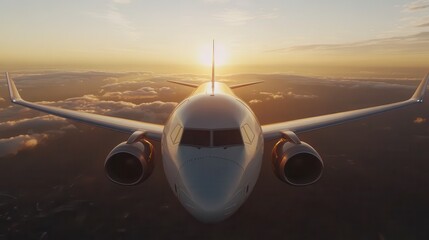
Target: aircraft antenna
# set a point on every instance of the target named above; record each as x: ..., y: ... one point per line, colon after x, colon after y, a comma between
x: 213, y: 69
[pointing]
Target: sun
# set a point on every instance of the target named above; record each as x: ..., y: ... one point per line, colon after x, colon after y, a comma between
x: 205, y: 53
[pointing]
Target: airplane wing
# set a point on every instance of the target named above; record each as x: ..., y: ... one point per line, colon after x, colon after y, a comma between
x: 152, y: 131
x: 244, y: 84
x: 274, y: 131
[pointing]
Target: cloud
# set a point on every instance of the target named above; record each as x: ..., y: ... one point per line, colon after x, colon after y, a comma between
x: 422, y: 23
x: 281, y: 95
x: 41, y: 128
x: 255, y: 101
x: 159, y: 80
x: 320, y: 80
x: 216, y: 1
x: 165, y: 90
x: 412, y: 43
x: 234, y: 17
x: 117, y: 18
x: 113, y: 91
x: 417, y: 5
x: 344, y: 83
x: 116, y: 84
x: 419, y: 120
x: 240, y: 17
x: 122, y: 1
x: 28, y: 133
x: 13, y: 145
x: 24, y: 129
x: 157, y: 111
x: 426, y: 24
x: 301, y: 96
x: 113, y: 15
x: 277, y: 95
x: 39, y: 123
x: 12, y: 112
x: 141, y: 93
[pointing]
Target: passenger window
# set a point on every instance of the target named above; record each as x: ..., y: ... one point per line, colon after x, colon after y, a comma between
x: 227, y: 137
x: 175, y: 134
x: 248, y: 134
x: 196, y: 137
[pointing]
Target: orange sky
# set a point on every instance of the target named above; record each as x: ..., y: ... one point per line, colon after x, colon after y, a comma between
x: 333, y: 38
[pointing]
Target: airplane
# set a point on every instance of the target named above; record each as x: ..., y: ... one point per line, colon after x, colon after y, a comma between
x: 212, y: 146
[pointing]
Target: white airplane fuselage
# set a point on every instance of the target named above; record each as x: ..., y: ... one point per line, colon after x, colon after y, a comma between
x: 212, y: 148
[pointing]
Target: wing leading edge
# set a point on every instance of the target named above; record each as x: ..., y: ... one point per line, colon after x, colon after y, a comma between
x: 152, y: 131
x: 273, y: 131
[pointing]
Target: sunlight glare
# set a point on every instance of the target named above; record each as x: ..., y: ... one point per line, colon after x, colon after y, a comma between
x: 205, y: 53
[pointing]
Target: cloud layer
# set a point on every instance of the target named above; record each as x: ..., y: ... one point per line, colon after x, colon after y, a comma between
x: 239, y: 17
x: 420, y: 120
x: 417, y: 5
x: 414, y: 43
x: 22, y: 128
x: 268, y: 96
x: 12, y: 145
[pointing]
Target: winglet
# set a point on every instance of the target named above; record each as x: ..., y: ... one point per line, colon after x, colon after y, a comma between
x: 13, y: 92
x: 420, y: 91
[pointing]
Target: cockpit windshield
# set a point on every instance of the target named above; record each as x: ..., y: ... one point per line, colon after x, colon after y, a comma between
x: 211, y: 138
x: 196, y: 137
x: 228, y: 137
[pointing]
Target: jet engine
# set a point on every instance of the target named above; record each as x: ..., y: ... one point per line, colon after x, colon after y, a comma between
x: 296, y: 163
x: 129, y: 164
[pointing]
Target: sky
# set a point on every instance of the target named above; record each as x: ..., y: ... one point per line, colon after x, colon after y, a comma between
x: 336, y: 36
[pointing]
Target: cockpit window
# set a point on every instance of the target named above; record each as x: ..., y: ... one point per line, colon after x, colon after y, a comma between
x: 227, y: 137
x: 175, y: 134
x: 211, y: 138
x: 247, y: 133
x: 196, y: 137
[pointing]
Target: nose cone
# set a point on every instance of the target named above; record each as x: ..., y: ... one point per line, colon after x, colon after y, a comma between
x: 210, y: 185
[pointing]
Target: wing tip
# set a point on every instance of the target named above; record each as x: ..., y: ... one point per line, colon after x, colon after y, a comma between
x: 421, y: 89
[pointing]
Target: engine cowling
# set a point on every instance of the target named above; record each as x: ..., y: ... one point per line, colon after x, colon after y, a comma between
x: 296, y: 164
x: 130, y: 164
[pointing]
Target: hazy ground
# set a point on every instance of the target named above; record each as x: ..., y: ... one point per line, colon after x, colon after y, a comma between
x: 52, y: 183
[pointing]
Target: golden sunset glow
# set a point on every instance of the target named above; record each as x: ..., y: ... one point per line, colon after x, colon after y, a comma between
x: 259, y: 36
x: 221, y: 55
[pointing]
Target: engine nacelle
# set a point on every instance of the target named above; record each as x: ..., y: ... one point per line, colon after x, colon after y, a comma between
x: 296, y: 164
x: 130, y: 164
